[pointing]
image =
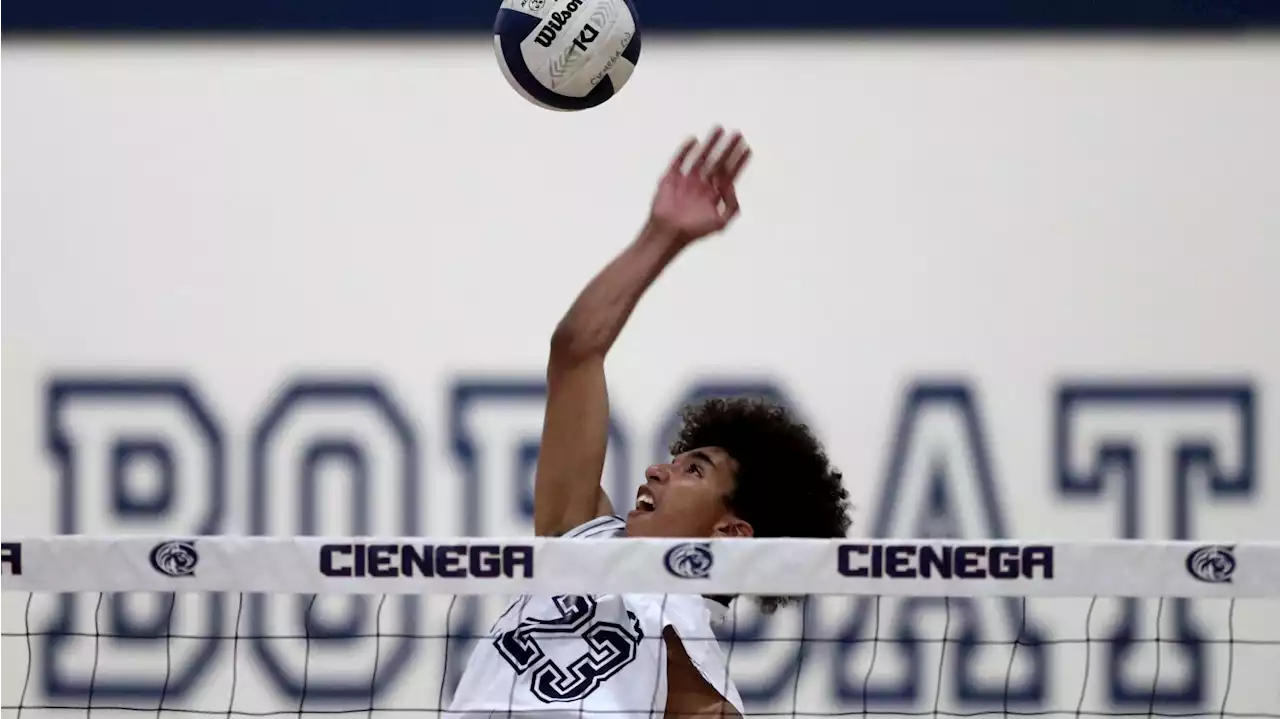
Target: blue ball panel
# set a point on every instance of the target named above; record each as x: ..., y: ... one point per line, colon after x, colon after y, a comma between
x: 632, y: 52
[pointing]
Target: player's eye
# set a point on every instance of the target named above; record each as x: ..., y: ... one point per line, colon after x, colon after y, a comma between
x: 695, y: 469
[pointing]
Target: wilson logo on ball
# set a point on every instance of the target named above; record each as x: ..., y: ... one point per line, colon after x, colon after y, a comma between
x: 555, y: 23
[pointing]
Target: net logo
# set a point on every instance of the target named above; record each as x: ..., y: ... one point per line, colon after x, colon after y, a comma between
x: 175, y: 559
x: 689, y: 561
x: 11, y: 558
x: 461, y: 561
x: 1213, y: 564
x: 965, y: 561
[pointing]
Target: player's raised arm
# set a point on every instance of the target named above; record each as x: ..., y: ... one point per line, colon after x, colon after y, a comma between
x: 695, y: 198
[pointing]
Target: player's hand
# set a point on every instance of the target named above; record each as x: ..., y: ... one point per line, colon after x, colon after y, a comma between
x: 699, y: 200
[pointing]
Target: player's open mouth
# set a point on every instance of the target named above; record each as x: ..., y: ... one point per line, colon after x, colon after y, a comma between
x: 644, y: 501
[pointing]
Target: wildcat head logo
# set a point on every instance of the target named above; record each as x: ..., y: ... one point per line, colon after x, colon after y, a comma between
x: 176, y: 558
x: 690, y: 561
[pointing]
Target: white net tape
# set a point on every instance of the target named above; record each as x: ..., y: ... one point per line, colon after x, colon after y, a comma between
x: 347, y: 565
x: 308, y: 626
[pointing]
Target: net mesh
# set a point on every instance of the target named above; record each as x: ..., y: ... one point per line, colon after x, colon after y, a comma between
x: 1202, y: 638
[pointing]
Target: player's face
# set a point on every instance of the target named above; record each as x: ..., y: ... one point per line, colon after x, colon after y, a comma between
x: 686, y: 498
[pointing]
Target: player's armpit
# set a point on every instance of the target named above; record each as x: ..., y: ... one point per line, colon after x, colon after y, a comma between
x: 604, y: 507
x: 689, y: 696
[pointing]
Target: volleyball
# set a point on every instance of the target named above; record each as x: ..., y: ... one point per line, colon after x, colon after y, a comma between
x: 567, y: 54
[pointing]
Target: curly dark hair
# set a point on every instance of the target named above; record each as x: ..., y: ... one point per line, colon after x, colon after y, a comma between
x: 785, y: 486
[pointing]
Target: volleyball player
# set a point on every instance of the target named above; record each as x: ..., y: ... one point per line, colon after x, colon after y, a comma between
x: 739, y: 469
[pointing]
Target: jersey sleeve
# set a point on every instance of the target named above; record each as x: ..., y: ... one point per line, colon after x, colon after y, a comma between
x: 598, y: 528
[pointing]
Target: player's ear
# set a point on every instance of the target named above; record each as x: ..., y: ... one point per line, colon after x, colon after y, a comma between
x: 731, y: 526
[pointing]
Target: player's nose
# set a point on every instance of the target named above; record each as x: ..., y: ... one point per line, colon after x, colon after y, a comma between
x: 658, y: 473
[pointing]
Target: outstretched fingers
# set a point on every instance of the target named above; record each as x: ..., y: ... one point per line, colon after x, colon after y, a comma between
x: 737, y: 164
x: 712, y: 160
x: 729, y: 167
x: 677, y: 162
x: 699, y: 167
x: 722, y: 160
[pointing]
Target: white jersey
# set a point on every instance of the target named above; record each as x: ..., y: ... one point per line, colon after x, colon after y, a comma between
x: 578, y: 655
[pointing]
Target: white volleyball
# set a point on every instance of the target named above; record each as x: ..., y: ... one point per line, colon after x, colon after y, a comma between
x: 567, y: 54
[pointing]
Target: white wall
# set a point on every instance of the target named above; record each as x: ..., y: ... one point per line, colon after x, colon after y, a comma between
x: 1010, y: 217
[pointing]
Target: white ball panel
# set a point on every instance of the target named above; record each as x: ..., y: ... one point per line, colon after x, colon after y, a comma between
x: 605, y: 53
x: 506, y: 72
x: 621, y: 72
x: 562, y: 65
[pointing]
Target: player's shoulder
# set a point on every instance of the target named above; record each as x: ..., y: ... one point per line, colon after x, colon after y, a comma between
x: 600, y: 527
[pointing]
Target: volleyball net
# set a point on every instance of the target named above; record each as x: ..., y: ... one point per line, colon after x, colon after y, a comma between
x: 315, y: 626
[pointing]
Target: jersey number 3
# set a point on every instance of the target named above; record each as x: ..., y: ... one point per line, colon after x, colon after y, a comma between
x: 611, y: 647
